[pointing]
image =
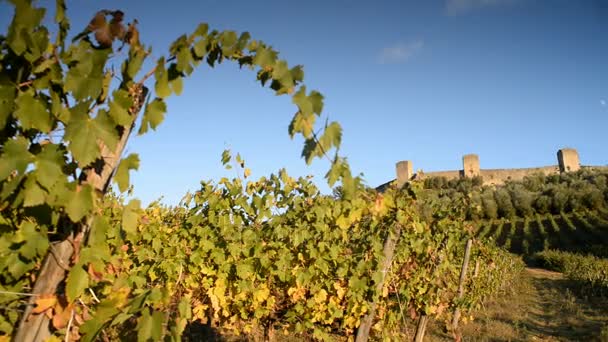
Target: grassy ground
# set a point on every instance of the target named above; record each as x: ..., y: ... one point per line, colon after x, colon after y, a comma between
x: 543, y: 307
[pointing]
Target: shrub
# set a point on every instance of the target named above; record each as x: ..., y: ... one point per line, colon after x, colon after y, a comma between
x: 588, y: 271
x: 542, y: 204
x: 503, y: 201
x: 490, y: 209
x: 522, y: 201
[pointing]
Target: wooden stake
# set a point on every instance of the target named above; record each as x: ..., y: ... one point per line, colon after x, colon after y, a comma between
x: 388, y: 252
x: 463, y: 276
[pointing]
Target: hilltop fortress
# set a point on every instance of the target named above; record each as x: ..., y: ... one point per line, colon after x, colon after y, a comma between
x: 567, y: 161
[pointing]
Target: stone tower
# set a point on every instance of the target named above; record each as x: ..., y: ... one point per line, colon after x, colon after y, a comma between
x: 470, y: 165
x: 568, y: 160
x: 404, y: 172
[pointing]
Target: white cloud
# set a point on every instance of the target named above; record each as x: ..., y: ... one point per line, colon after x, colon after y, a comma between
x: 456, y: 7
x: 400, y: 52
x: 603, y: 103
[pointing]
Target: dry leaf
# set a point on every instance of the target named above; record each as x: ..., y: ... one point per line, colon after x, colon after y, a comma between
x: 44, y: 302
x: 62, y: 316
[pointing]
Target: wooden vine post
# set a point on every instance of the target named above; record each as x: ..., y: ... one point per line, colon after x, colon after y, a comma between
x: 421, y: 328
x: 387, y: 259
x: 58, y: 261
x: 463, y: 276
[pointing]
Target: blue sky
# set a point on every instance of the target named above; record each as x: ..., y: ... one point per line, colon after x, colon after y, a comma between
x: 427, y: 81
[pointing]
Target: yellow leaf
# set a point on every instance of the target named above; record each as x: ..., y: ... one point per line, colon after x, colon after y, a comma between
x: 199, y: 312
x: 343, y: 222
x: 50, y: 339
x: 321, y: 296
x: 247, y: 172
x: 341, y: 291
x: 385, y: 291
x: 296, y: 293
x: 261, y: 295
x: 44, y: 302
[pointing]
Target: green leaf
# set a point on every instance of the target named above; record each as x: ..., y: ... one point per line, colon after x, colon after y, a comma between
x: 149, y: 327
x: 226, y: 157
x: 80, y: 202
x: 15, y: 157
x: 332, y: 136
x: 265, y: 57
x: 130, y: 216
x: 177, y: 84
x: 154, y: 114
x: 122, y: 172
x: 133, y: 65
x: 32, y: 112
x: 302, y: 123
x: 200, y: 48
x: 161, y: 75
x: 26, y: 18
x: 83, y: 133
x: 76, y: 283
x: 85, y: 78
x: 63, y: 21
x: 201, y: 29
x: 35, y: 242
x: 33, y: 194
x: 16, y: 266
x: 309, y: 150
x: 228, y: 40
x: 49, y: 163
x: 99, y: 228
x: 119, y: 108
x: 184, y: 57
x: 316, y: 99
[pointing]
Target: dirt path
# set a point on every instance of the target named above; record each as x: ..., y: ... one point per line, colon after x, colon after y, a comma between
x: 541, y: 307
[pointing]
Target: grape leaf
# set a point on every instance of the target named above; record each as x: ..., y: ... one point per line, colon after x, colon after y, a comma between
x: 32, y: 112
x: 82, y: 132
x: 153, y: 115
x: 122, y: 172
x: 76, y: 283
x: 15, y: 156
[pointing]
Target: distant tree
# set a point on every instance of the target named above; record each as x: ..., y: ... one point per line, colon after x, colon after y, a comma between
x: 542, y: 204
x: 477, y: 181
x: 593, y: 199
x: 559, y: 199
x: 600, y: 181
x: 503, y: 201
x: 522, y: 200
x: 435, y: 183
x: 465, y: 185
x: 553, y: 179
x: 490, y: 209
x: 475, y: 209
x: 534, y: 182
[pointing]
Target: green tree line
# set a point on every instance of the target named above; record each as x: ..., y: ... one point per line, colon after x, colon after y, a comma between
x: 535, y: 194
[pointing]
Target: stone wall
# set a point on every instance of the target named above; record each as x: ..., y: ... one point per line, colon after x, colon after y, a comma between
x: 567, y: 158
x: 499, y: 176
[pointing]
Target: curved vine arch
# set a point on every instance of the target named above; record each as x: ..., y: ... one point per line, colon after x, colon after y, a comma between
x: 63, y: 129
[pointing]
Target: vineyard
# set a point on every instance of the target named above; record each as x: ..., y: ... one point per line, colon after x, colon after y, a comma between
x: 584, y: 232
x: 243, y: 256
x: 81, y: 260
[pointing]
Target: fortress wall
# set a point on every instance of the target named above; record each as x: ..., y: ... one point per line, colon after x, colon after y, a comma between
x: 599, y: 168
x: 447, y: 174
x: 499, y: 176
x: 568, y: 160
x: 494, y: 176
